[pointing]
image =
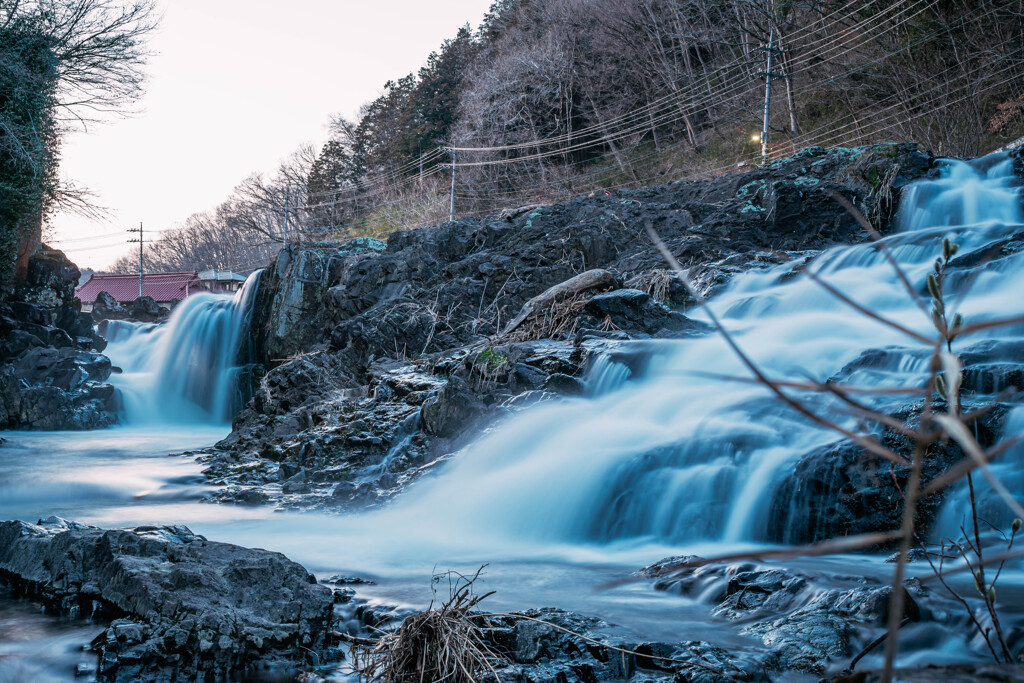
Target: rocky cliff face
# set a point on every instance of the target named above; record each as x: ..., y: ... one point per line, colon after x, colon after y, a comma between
x: 384, y: 359
x: 52, y: 375
x: 441, y: 287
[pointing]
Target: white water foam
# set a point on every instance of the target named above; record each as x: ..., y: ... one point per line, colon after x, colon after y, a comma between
x: 678, y: 456
x: 184, y: 371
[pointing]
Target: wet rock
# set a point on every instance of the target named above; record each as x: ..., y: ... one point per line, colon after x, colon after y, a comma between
x: 563, y: 384
x: 411, y: 335
x: 146, y: 309
x: 452, y: 409
x: 549, y: 644
x: 376, y: 439
x: 972, y: 672
x: 347, y: 581
x: 803, y: 620
x: 637, y: 312
x: 187, y: 608
x: 106, y: 307
x: 839, y: 489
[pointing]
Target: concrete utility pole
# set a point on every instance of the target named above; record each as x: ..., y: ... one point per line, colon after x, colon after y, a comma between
x: 768, y: 76
x: 451, y: 208
x: 140, y: 241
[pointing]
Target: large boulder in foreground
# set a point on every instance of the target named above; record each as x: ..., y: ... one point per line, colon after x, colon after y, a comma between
x: 189, y: 609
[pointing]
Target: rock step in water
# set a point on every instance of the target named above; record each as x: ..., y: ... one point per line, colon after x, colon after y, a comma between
x: 184, y: 608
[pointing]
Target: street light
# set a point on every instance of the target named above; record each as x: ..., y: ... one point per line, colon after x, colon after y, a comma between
x: 755, y: 138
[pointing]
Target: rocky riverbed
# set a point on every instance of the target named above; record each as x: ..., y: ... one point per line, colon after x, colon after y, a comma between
x: 371, y: 365
x: 386, y: 358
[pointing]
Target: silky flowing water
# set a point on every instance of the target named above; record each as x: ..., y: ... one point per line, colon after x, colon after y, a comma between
x: 569, y: 495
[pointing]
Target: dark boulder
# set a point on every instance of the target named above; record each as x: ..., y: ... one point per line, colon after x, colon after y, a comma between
x: 146, y: 309
x: 51, y: 388
x: 186, y: 608
x: 17, y: 342
x: 106, y: 307
x: 840, y: 490
x: 636, y: 312
x: 452, y: 410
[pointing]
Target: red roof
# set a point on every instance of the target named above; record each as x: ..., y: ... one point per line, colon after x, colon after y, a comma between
x: 125, y: 288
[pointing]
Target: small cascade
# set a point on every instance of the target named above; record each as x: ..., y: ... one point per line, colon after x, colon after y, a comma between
x: 186, y: 370
x: 677, y: 455
x: 1008, y: 469
x: 606, y: 375
x: 966, y: 193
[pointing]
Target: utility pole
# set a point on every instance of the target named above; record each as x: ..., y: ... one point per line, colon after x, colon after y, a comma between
x: 768, y: 76
x: 451, y: 208
x: 140, y: 241
x: 421, y: 164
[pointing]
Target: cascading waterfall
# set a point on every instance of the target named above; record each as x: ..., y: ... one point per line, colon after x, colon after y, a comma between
x: 679, y: 455
x: 184, y: 371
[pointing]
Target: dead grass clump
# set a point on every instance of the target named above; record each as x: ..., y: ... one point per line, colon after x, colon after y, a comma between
x: 438, y: 644
x: 654, y: 282
x: 560, y: 319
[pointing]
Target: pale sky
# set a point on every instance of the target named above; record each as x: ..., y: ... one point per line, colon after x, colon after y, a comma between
x: 236, y: 86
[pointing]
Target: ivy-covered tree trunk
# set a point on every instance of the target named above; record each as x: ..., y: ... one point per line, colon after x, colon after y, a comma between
x: 28, y: 145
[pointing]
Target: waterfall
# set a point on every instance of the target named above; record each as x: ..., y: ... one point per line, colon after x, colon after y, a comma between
x: 678, y: 454
x: 186, y: 370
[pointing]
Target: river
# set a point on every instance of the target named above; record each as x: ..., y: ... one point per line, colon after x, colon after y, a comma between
x: 568, y: 496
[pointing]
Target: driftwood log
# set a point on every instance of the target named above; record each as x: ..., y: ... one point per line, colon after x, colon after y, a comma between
x: 590, y: 280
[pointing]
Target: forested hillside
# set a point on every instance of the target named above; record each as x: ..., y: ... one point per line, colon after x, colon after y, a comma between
x: 549, y: 99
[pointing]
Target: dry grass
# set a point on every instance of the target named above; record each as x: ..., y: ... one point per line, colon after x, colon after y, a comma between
x: 654, y: 282
x: 435, y: 645
x: 560, y: 319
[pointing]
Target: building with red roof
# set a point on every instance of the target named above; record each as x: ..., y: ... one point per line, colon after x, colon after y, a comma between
x: 163, y: 287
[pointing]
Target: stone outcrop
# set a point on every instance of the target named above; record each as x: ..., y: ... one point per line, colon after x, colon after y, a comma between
x: 310, y: 437
x: 183, y: 608
x: 51, y: 373
x: 457, y: 283
x: 417, y: 339
x: 290, y: 313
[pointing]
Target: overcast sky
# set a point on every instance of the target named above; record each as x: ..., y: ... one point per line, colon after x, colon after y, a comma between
x: 235, y: 86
